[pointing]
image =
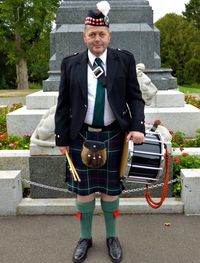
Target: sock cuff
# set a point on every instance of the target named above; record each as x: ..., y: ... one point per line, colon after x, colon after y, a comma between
x: 110, y: 206
x: 85, y: 207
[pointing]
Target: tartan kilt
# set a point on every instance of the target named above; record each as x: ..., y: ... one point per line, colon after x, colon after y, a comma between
x: 105, y: 179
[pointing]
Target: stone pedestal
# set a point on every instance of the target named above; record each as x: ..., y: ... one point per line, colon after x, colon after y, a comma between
x: 47, y: 167
x: 16, y: 160
x: 190, y: 191
x: 10, y: 192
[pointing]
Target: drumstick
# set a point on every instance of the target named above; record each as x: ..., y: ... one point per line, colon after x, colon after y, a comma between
x: 77, y: 176
x: 74, y: 169
x: 70, y: 165
x: 74, y: 172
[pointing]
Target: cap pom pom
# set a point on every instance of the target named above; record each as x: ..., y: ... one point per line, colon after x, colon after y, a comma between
x: 103, y: 7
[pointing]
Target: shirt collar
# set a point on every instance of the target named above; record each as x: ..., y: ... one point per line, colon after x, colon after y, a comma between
x: 102, y: 57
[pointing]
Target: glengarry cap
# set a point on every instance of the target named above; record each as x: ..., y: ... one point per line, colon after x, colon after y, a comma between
x: 99, y: 17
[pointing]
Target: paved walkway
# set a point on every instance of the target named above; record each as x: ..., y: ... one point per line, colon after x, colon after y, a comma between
x: 145, y: 239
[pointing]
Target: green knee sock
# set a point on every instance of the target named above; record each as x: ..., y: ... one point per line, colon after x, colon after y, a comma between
x: 110, y: 219
x: 86, y: 214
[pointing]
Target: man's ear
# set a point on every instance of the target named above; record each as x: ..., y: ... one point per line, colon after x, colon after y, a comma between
x: 110, y: 35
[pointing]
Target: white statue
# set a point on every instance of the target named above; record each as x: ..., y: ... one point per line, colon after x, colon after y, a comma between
x: 44, y: 132
x: 148, y: 89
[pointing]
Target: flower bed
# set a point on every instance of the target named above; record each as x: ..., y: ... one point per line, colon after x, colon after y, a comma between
x: 194, y: 100
x: 11, y: 142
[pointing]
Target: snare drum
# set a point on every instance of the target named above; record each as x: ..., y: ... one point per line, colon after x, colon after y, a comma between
x: 145, y: 162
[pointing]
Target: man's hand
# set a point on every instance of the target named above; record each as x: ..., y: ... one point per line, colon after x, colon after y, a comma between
x: 64, y: 149
x: 136, y: 137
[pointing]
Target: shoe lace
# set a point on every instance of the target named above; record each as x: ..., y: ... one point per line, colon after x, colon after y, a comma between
x: 82, y: 243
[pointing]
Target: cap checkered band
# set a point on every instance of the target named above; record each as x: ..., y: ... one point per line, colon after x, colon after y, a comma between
x: 94, y: 21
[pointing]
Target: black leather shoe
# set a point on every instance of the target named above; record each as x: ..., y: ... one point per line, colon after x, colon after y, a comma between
x: 80, y: 252
x: 114, y: 249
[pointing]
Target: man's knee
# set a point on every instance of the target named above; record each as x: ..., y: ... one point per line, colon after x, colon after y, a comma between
x: 109, y: 198
x: 85, y: 198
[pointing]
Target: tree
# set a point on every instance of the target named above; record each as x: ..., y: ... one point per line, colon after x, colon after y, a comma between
x: 38, y: 60
x: 7, y: 72
x: 23, y: 24
x: 179, y: 44
x: 192, y: 12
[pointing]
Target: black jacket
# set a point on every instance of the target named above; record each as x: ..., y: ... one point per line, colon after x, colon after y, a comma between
x: 122, y: 90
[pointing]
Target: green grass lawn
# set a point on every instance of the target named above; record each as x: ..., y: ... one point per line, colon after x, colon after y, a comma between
x: 189, y: 89
x: 5, y: 93
x: 33, y: 87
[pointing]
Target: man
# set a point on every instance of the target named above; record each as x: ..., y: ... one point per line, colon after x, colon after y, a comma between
x: 93, y: 107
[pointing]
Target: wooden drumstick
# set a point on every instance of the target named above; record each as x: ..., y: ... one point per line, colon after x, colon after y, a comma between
x: 77, y: 176
x: 69, y: 161
x: 73, y: 169
x: 75, y: 172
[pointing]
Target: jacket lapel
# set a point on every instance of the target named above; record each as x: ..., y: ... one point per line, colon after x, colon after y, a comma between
x: 112, y: 65
x: 82, y: 73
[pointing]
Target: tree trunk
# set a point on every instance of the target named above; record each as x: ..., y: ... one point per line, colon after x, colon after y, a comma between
x: 22, y: 74
x: 21, y: 64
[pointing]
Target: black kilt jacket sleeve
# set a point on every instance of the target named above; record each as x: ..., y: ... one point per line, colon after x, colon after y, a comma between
x: 123, y: 91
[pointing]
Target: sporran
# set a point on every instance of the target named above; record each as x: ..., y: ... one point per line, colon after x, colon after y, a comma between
x: 94, y: 154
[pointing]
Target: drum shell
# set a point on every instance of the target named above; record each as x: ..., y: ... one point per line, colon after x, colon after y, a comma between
x: 146, y: 162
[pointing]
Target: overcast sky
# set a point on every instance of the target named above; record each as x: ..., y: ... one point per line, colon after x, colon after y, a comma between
x: 161, y: 7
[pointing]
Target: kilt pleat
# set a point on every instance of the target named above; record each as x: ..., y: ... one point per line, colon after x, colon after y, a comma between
x: 105, y: 179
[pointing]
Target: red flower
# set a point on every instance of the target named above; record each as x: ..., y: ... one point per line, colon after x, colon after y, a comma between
x: 185, y: 154
x: 12, y: 144
x: 181, y: 149
x: 3, y: 137
x: 171, y: 132
x: 177, y: 160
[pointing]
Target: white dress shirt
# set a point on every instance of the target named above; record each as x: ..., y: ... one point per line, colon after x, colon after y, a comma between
x: 92, y: 87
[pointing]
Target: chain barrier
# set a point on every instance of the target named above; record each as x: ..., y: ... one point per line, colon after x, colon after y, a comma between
x: 123, y: 192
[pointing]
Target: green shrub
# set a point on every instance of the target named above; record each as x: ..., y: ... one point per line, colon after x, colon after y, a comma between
x: 185, y: 161
x: 179, y: 140
x: 34, y: 85
x: 191, y: 71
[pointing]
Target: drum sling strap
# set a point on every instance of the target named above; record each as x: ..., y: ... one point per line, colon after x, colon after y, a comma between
x: 152, y: 203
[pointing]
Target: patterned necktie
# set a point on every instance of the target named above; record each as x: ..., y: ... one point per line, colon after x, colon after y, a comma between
x: 98, y: 117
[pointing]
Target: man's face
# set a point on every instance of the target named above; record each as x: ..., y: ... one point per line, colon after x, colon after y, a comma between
x: 97, y: 39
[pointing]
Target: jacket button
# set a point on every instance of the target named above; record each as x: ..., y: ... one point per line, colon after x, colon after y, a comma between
x: 85, y: 106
